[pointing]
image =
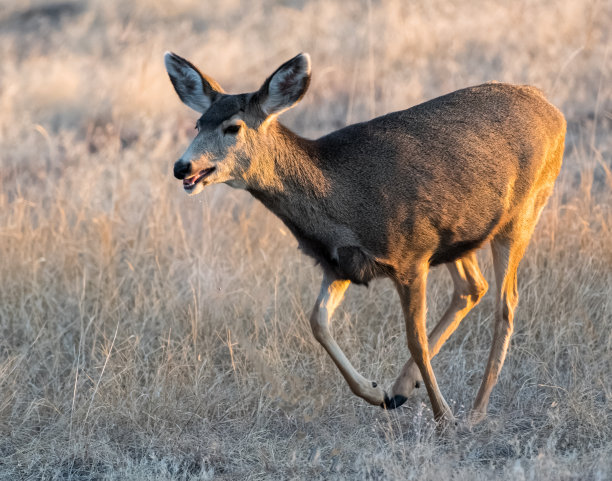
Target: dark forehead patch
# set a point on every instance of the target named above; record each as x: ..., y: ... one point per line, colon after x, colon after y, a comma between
x: 222, y: 109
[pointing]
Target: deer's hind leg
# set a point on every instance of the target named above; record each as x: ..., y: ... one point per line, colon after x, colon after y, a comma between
x: 508, y: 248
x: 469, y: 287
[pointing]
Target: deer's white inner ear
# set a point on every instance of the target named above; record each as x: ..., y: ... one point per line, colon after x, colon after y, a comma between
x: 187, y: 82
x: 287, y: 85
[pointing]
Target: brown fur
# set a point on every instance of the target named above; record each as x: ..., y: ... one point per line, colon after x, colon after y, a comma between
x: 398, y: 194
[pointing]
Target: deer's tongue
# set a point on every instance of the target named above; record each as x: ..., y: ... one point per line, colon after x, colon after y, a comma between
x: 198, y: 177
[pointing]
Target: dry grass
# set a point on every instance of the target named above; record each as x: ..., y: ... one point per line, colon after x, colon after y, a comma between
x: 146, y: 335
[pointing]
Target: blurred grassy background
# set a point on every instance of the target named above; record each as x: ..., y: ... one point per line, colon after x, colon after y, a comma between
x: 147, y: 335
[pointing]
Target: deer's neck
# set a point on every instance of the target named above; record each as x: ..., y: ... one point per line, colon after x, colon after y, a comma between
x: 286, y: 166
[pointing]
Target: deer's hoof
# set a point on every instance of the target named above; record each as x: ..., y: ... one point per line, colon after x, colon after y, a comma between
x: 475, y: 417
x: 394, y: 402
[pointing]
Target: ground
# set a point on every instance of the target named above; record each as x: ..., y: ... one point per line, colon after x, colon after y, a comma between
x: 148, y: 335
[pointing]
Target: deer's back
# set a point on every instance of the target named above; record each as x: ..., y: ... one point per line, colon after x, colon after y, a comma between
x: 444, y: 175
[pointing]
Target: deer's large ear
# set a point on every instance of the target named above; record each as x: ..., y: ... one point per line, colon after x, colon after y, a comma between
x: 286, y: 86
x: 195, y: 89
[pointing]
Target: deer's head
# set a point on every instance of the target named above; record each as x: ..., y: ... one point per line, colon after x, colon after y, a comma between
x: 233, y: 129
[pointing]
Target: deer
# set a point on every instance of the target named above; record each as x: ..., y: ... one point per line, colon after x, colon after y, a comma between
x: 391, y: 198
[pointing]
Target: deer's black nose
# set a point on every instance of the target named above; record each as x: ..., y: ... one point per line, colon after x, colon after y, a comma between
x: 182, y: 169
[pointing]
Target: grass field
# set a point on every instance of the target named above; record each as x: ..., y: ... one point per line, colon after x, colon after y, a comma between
x: 148, y: 335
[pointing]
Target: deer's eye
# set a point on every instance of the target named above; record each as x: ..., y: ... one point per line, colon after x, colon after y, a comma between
x: 232, y: 129
x: 197, y: 126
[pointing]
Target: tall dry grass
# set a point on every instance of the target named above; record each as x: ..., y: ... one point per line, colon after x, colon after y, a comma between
x: 147, y: 335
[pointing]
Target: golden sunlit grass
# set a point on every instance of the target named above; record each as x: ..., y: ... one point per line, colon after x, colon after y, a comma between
x: 147, y: 335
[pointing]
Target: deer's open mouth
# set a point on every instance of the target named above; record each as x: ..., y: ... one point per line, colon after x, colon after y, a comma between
x: 190, y: 182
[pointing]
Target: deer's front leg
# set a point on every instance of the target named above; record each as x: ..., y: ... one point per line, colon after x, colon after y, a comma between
x: 332, y: 292
x: 412, y: 297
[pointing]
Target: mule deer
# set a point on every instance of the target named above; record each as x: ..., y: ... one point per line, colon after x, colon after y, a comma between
x: 390, y: 197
